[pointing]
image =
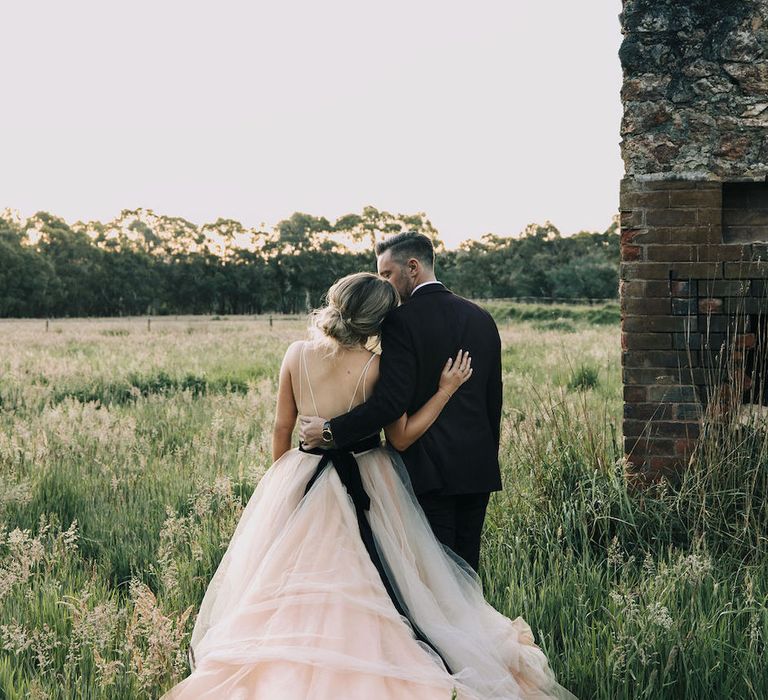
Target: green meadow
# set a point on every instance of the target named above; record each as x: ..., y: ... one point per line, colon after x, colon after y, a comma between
x: 127, y: 455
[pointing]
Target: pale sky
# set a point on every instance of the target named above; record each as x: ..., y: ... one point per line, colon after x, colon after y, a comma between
x: 487, y: 115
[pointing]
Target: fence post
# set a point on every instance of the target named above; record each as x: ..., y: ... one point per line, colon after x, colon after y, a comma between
x: 46, y: 325
x: 149, y: 328
x: 270, y: 321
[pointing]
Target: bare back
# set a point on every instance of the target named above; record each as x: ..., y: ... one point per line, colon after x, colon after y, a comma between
x: 330, y: 386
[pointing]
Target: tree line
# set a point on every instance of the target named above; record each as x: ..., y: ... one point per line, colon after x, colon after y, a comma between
x: 142, y: 262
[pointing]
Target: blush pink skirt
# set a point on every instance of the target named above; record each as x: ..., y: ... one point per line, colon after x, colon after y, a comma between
x: 297, y: 611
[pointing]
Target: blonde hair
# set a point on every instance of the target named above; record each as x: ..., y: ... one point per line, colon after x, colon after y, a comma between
x: 355, y: 308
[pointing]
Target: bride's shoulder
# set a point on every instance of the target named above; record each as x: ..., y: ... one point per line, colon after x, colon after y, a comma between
x: 293, y: 350
x: 373, y: 361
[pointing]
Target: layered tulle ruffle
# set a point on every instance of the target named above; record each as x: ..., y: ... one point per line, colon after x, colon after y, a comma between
x: 297, y: 610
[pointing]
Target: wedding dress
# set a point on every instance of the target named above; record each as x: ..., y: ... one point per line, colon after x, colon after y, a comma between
x: 298, y: 610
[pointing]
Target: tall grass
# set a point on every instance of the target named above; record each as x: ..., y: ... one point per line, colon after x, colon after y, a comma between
x: 660, y: 594
x: 115, y: 510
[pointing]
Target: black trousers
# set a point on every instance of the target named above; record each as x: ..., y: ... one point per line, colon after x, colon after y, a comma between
x: 457, y: 522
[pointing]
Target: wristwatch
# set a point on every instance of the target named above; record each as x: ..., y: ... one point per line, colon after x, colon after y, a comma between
x: 327, y: 434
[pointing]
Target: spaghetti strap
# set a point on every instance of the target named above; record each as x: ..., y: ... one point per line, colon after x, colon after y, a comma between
x: 361, y: 378
x: 301, y: 378
x: 309, y: 383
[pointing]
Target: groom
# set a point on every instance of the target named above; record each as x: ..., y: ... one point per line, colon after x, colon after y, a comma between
x: 454, y: 466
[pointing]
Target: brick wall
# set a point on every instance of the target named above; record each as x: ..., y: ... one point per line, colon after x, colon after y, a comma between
x: 688, y: 300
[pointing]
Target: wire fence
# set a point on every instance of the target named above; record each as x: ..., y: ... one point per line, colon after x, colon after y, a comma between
x: 578, y: 301
x: 273, y: 318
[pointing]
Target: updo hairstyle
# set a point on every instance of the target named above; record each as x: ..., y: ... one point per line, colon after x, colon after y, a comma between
x: 355, y: 308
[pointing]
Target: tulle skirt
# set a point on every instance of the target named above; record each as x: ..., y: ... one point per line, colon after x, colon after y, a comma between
x: 297, y: 610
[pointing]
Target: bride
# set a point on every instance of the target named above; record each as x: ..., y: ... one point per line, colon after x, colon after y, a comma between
x: 333, y: 585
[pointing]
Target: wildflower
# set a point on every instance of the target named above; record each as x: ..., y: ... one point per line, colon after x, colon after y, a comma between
x: 696, y: 567
x: 40, y: 640
x: 649, y: 565
x: 15, y: 637
x: 24, y: 553
x: 658, y: 614
x: 19, y: 493
x: 615, y: 557
x: 93, y: 628
x: 619, y: 656
x: 106, y: 671
x: 153, y: 640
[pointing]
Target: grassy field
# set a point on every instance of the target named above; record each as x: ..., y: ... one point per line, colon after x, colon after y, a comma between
x: 127, y: 455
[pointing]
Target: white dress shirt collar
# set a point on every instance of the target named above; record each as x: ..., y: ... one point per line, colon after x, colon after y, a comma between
x: 419, y: 286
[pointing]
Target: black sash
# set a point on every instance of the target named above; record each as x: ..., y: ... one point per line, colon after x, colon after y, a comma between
x: 343, y: 460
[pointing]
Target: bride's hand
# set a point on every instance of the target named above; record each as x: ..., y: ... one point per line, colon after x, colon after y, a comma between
x: 455, y: 372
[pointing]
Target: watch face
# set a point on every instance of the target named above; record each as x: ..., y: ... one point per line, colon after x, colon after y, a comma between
x: 327, y: 434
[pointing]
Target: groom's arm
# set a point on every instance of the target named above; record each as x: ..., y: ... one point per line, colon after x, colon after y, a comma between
x: 393, y: 391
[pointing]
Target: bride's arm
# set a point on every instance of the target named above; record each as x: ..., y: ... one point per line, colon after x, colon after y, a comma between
x: 286, y: 410
x: 407, y: 429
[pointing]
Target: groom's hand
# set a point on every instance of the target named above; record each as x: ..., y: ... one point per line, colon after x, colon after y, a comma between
x: 311, y: 430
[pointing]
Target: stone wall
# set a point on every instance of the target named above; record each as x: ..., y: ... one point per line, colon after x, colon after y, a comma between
x: 695, y: 89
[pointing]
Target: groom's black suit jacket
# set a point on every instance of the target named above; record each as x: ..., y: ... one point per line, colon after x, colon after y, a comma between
x: 459, y: 452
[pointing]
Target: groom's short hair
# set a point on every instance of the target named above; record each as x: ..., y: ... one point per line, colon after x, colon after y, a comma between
x: 409, y: 244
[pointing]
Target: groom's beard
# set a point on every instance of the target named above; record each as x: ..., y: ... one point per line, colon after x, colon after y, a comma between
x: 407, y: 290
